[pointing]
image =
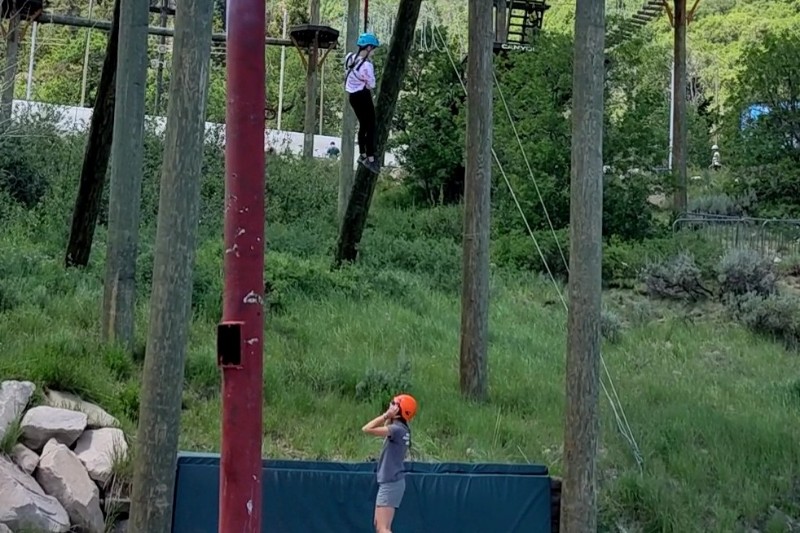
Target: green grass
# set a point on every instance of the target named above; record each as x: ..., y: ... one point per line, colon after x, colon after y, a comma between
x: 713, y: 407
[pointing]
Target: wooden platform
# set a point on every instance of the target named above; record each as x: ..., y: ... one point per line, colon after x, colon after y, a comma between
x: 304, y: 35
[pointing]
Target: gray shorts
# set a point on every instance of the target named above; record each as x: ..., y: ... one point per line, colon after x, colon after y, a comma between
x: 390, y: 494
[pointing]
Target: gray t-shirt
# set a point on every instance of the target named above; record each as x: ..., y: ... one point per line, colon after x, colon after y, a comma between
x: 393, y: 454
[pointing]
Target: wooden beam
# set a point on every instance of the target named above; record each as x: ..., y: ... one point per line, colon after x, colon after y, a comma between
x: 690, y: 16
x: 105, y: 25
x: 669, y: 13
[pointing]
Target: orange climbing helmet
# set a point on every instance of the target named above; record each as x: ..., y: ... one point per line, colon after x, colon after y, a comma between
x: 408, y: 406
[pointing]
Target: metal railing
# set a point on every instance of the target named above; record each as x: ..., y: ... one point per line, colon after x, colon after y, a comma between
x: 772, y: 237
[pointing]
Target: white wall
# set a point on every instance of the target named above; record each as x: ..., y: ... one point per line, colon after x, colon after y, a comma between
x: 73, y: 118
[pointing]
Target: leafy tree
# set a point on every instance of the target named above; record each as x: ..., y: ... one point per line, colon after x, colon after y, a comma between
x: 767, y: 148
x: 430, y: 128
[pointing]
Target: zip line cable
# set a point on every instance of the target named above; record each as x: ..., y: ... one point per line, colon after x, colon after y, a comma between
x: 616, y: 405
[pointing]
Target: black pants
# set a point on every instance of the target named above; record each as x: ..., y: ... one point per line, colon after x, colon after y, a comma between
x: 365, y: 113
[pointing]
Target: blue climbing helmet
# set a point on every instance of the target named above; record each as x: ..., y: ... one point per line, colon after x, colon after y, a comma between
x: 367, y: 39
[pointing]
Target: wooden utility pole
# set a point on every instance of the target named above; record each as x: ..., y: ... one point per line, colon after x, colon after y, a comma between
x: 579, y: 493
x: 127, y: 156
x: 96, y: 156
x: 311, y: 87
x: 162, y: 44
x: 391, y: 80
x: 501, y: 16
x: 477, y: 193
x: 170, y: 300
x: 679, y: 125
x: 346, y: 170
x: 10, y: 72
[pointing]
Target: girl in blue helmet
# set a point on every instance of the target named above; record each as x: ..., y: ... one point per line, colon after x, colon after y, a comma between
x: 359, y: 83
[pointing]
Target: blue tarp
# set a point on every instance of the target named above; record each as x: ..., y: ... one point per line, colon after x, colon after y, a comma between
x: 329, y: 497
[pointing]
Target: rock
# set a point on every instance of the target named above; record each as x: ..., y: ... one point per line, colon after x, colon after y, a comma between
x: 43, y: 423
x: 96, y: 416
x: 23, y: 503
x: 62, y: 475
x: 99, y: 449
x: 24, y: 458
x: 5, y: 529
x: 121, y: 526
x: 14, y: 396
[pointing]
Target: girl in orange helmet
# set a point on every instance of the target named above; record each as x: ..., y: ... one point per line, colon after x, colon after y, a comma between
x: 393, y: 427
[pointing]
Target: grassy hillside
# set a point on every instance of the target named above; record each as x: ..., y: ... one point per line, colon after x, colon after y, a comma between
x: 713, y: 407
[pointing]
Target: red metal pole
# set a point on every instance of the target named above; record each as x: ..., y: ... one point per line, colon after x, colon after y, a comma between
x: 366, y: 15
x: 240, y: 345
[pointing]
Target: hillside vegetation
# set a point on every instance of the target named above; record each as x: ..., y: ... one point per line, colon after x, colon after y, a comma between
x: 701, y: 324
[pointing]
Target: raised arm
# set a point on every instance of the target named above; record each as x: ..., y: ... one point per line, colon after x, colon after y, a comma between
x: 377, y: 426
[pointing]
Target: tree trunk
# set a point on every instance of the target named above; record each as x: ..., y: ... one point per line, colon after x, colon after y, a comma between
x: 579, y: 496
x: 679, y: 125
x: 96, y: 156
x: 127, y: 155
x: 170, y: 300
x: 346, y: 170
x: 10, y: 73
x: 311, y: 89
x: 394, y: 70
x: 477, y: 193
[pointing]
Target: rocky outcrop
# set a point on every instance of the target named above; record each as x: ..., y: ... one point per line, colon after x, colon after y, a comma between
x: 98, y: 449
x: 24, y: 458
x: 23, y: 503
x: 61, y: 474
x: 96, y: 417
x: 43, y: 423
x: 14, y: 396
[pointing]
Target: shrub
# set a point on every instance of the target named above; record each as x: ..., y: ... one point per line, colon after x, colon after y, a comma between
x: 380, y: 384
x: 676, y: 278
x: 627, y: 213
x: 721, y: 204
x: 438, y: 260
x: 743, y: 271
x: 776, y: 316
x: 301, y: 191
x: 611, y: 325
x: 287, y: 274
x: 518, y: 251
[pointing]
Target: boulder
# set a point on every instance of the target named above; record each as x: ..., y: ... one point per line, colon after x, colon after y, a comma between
x: 25, y: 458
x: 43, y: 423
x: 5, y: 529
x: 96, y: 416
x: 14, y: 396
x: 23, y: 503
x: 61, y: 475
x: 99, y: 449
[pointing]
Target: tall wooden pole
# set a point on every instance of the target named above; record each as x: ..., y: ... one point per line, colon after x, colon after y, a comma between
x: 391, y: 80
x: 162, y: 44
x: 171, y: 296
x: 283, y: 69
x: 477, y: 186
x: 679, y: 124
x: 311, y: 88
x: 579, y: 496
x: 346, y: 170
x: 501, y: 15
x: 127, y: 160
x: 10, y: 72
x: 96, y: 155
